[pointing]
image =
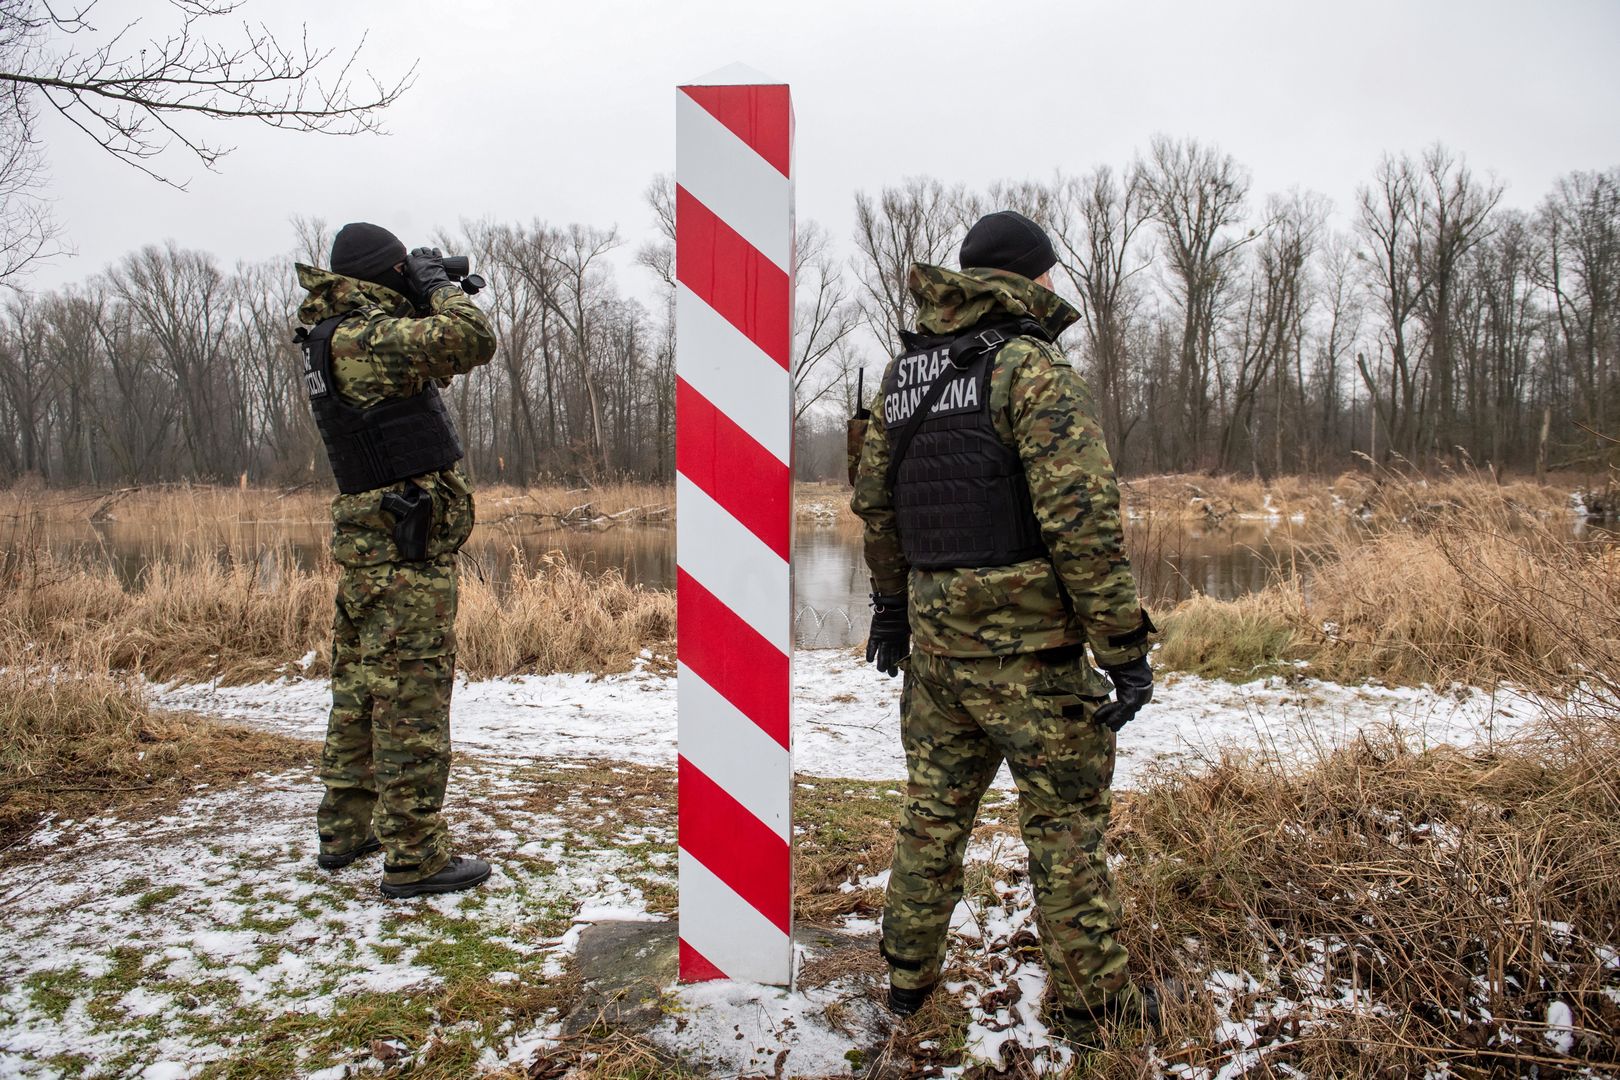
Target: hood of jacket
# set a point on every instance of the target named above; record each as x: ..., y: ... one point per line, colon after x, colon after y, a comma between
x: 333, y: 294
x: 949, y: 301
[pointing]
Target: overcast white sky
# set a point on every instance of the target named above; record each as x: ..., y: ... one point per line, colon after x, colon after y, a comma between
x: 564, y: 111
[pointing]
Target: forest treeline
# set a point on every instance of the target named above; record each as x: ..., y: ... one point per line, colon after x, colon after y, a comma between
x: 1221, y: 329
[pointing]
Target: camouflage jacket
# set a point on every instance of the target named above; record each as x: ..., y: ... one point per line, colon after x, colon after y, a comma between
x: 1040, y: 405
x: 385, y: 352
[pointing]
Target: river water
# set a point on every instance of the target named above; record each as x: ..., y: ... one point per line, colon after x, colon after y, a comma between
x: 830, y: 583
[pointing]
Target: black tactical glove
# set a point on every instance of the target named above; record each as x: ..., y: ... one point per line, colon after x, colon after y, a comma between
x: 889, y: 640
x: 425, y: 274
x: 1133, y: 688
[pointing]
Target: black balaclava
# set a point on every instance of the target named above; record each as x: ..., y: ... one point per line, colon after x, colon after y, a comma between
x: 1007, y: 240
x: 369, y: 252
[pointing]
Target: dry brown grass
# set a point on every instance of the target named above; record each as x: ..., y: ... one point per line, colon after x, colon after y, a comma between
x: 1247, y: 638
x: 1473, y: 591
x: 1457, y: 893
x: 75, y: 744
x: 551, y: 617
x: 216, y: 513
x: 207, y: 615
x: 201, y: 616
x: 602, y: 1055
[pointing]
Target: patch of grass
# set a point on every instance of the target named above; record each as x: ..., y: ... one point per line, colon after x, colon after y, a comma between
x: 460, y: 948
x: 596, y: 800
x: 71, y: 1064
x: 53, y: 992
x: 263, y: 925
x: 551, y: 617
x: 155, y: 897
x: 437, y: 1031
x: 934, y: 1038
x: 1384, y: 495
x: 604, y: 1055
x: 133, y: 886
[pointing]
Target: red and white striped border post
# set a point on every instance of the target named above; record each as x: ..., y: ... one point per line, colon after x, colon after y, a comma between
x: 734, y: 526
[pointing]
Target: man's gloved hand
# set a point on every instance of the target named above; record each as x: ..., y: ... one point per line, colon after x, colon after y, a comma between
x: 1133, y: 688
x: 889, y: 640
x: 425, y: 274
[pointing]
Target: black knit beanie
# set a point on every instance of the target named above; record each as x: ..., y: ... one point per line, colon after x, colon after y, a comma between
x: 1007, y: 240
x: 366, y: 251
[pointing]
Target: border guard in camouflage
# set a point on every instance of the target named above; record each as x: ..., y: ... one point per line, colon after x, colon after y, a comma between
x: 390, y: 330
x: 997, y: 556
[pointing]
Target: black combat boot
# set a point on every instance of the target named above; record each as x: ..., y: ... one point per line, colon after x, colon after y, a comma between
x: 459, y: 873
x: 904, y: 1001
x: 338, y: 862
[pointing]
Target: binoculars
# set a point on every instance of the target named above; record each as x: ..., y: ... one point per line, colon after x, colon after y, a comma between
x: 459, y: 268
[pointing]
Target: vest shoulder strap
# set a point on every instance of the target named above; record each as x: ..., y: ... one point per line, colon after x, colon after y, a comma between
x: 317, y: 345
x: 966, y: 349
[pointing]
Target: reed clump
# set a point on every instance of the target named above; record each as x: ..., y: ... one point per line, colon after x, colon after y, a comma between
x: 199, y: 616
x: 87, y: 742
x: 551, y: 617
x: 1247, y: 638
x: 1385, y: 911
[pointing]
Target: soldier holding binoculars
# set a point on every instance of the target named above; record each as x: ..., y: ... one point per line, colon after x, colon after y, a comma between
x: 390, y: 328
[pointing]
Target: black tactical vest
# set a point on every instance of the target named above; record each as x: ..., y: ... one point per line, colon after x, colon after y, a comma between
x: 959, y: 492
x: 381, y: 445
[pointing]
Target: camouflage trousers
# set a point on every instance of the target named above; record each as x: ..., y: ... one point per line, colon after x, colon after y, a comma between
x: 960, y: 718
x: 387, y: 756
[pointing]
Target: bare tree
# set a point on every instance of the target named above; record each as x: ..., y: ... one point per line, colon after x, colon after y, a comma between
x: 264, y: 300
x: 1273, y: 322
x: 1454, y: 216
x: 181, y: 301
x: 658, y: 254
x: 312, y: 239
x: 27, y: 231
x: 1197, y: 195
x: 1501, y: 323
x: 563, y: 266
x: 25, y: 377
x: 1580, y: 221
x: 1389, y: 222
x: 1341, y: 297
x: 912, y: 223
x: 822, y: 319
x: 1096, y: 219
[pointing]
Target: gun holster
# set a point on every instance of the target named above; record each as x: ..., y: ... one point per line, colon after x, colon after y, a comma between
x: 412, y: 511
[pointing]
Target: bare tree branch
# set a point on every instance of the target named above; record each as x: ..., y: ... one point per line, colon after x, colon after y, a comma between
x: 140, y: 100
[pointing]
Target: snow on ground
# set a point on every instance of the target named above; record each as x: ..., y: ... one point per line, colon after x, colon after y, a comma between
x: 847, y: 716
x: 155, y: 946
x: 745, y: 1029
